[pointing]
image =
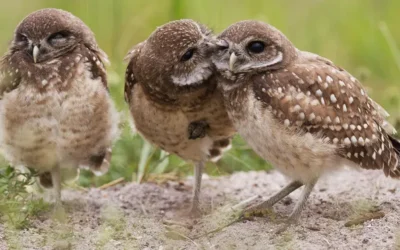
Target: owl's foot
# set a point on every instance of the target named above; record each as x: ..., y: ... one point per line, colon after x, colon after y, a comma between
x: 257, y: 211
x: 197, y: 129
x: 195, y: 211
x: 264, y: 208
x: 285, y: 226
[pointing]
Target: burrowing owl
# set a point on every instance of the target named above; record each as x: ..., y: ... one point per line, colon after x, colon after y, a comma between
x: 56, y: 112
x: 299, y: 111
x: 170, y: 90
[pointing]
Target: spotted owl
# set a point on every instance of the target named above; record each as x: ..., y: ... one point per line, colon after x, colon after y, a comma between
x: 300, y: 111
x: 171, y: 91
x: 56, y: 113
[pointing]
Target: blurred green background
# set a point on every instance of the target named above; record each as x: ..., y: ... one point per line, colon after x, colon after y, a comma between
x: 359, y: 35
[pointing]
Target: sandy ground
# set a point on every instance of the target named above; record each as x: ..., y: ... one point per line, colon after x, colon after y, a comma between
x: 133, y: 216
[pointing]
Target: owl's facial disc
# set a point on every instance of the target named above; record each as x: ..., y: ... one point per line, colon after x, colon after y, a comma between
x: 47, y: 48
x: 47, y: 34
x: 254, y: 47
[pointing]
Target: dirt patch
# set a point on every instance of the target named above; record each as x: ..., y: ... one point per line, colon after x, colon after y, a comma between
x: 133, y: 216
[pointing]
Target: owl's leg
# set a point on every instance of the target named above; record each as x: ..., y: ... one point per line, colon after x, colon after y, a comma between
x: 295, y: 215
x: 197, y: 129
x: 56, y: 180
x: 198, y: 172
x: 264, y: 206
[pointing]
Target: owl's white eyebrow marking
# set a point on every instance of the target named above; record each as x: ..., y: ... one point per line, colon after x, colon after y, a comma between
x: 196, y: 76
x: 276, y: 60
x: 271, y: 62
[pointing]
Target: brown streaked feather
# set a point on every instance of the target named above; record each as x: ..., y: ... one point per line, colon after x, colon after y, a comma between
x: 317, y: 97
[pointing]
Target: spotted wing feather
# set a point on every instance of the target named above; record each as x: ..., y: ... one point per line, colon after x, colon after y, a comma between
x: 130, y: 79
x: 318, y: 97
x: 95, y: 60
x: 9, y: 76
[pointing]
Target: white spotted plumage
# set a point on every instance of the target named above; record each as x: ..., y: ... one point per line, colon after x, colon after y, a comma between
x: 343, y: 126
x: 56, y: 111
x: 170, y: 87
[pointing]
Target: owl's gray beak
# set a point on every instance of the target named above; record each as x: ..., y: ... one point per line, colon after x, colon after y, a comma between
x: 35, y: 53
x: 232, y: 60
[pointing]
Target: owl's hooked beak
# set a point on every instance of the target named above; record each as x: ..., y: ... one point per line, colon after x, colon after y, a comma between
x: 232, y: 60
x: 35, y: 53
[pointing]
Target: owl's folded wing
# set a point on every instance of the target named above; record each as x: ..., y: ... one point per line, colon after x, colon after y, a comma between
x: 96, y: 59
x: 9, y: 77
x: 319, y: 98
x: 130, y: 78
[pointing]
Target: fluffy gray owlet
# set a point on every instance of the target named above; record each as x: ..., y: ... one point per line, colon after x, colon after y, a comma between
x: 170, y: 89
x: 56, y: 112
x: 299, y: 111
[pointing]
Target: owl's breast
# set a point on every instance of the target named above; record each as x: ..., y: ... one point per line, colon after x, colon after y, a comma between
x: 167, y: 128
x: 28, y: 126
x: 59, y: 125
x: 299, y: 155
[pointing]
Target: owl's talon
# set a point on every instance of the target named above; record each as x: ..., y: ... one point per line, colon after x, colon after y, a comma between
x: 287, y: 224
x: 282, y: 228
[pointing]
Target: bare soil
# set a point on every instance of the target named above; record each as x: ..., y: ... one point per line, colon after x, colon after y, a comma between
x: 133, y: 216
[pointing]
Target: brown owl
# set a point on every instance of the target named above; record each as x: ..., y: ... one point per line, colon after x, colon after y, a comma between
x: 56, y: 111
x: 299, y: 111
x: 171, y: 91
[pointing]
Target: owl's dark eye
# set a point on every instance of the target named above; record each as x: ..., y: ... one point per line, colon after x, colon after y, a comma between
x: 256, y: 47
x: 188, y: 55
x: 22, y: 38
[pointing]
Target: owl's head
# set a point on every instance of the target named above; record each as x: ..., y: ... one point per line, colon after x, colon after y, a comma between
x: 176, y: 55
x: 254, y: 47
x: 48, y: 34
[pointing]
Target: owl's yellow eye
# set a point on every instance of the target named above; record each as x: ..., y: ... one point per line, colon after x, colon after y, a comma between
x: 188, y: 55
x: 256, y: 47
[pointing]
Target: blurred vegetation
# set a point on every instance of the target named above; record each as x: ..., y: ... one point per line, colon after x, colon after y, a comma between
x: 17, y: 206
x: 360, y: 35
